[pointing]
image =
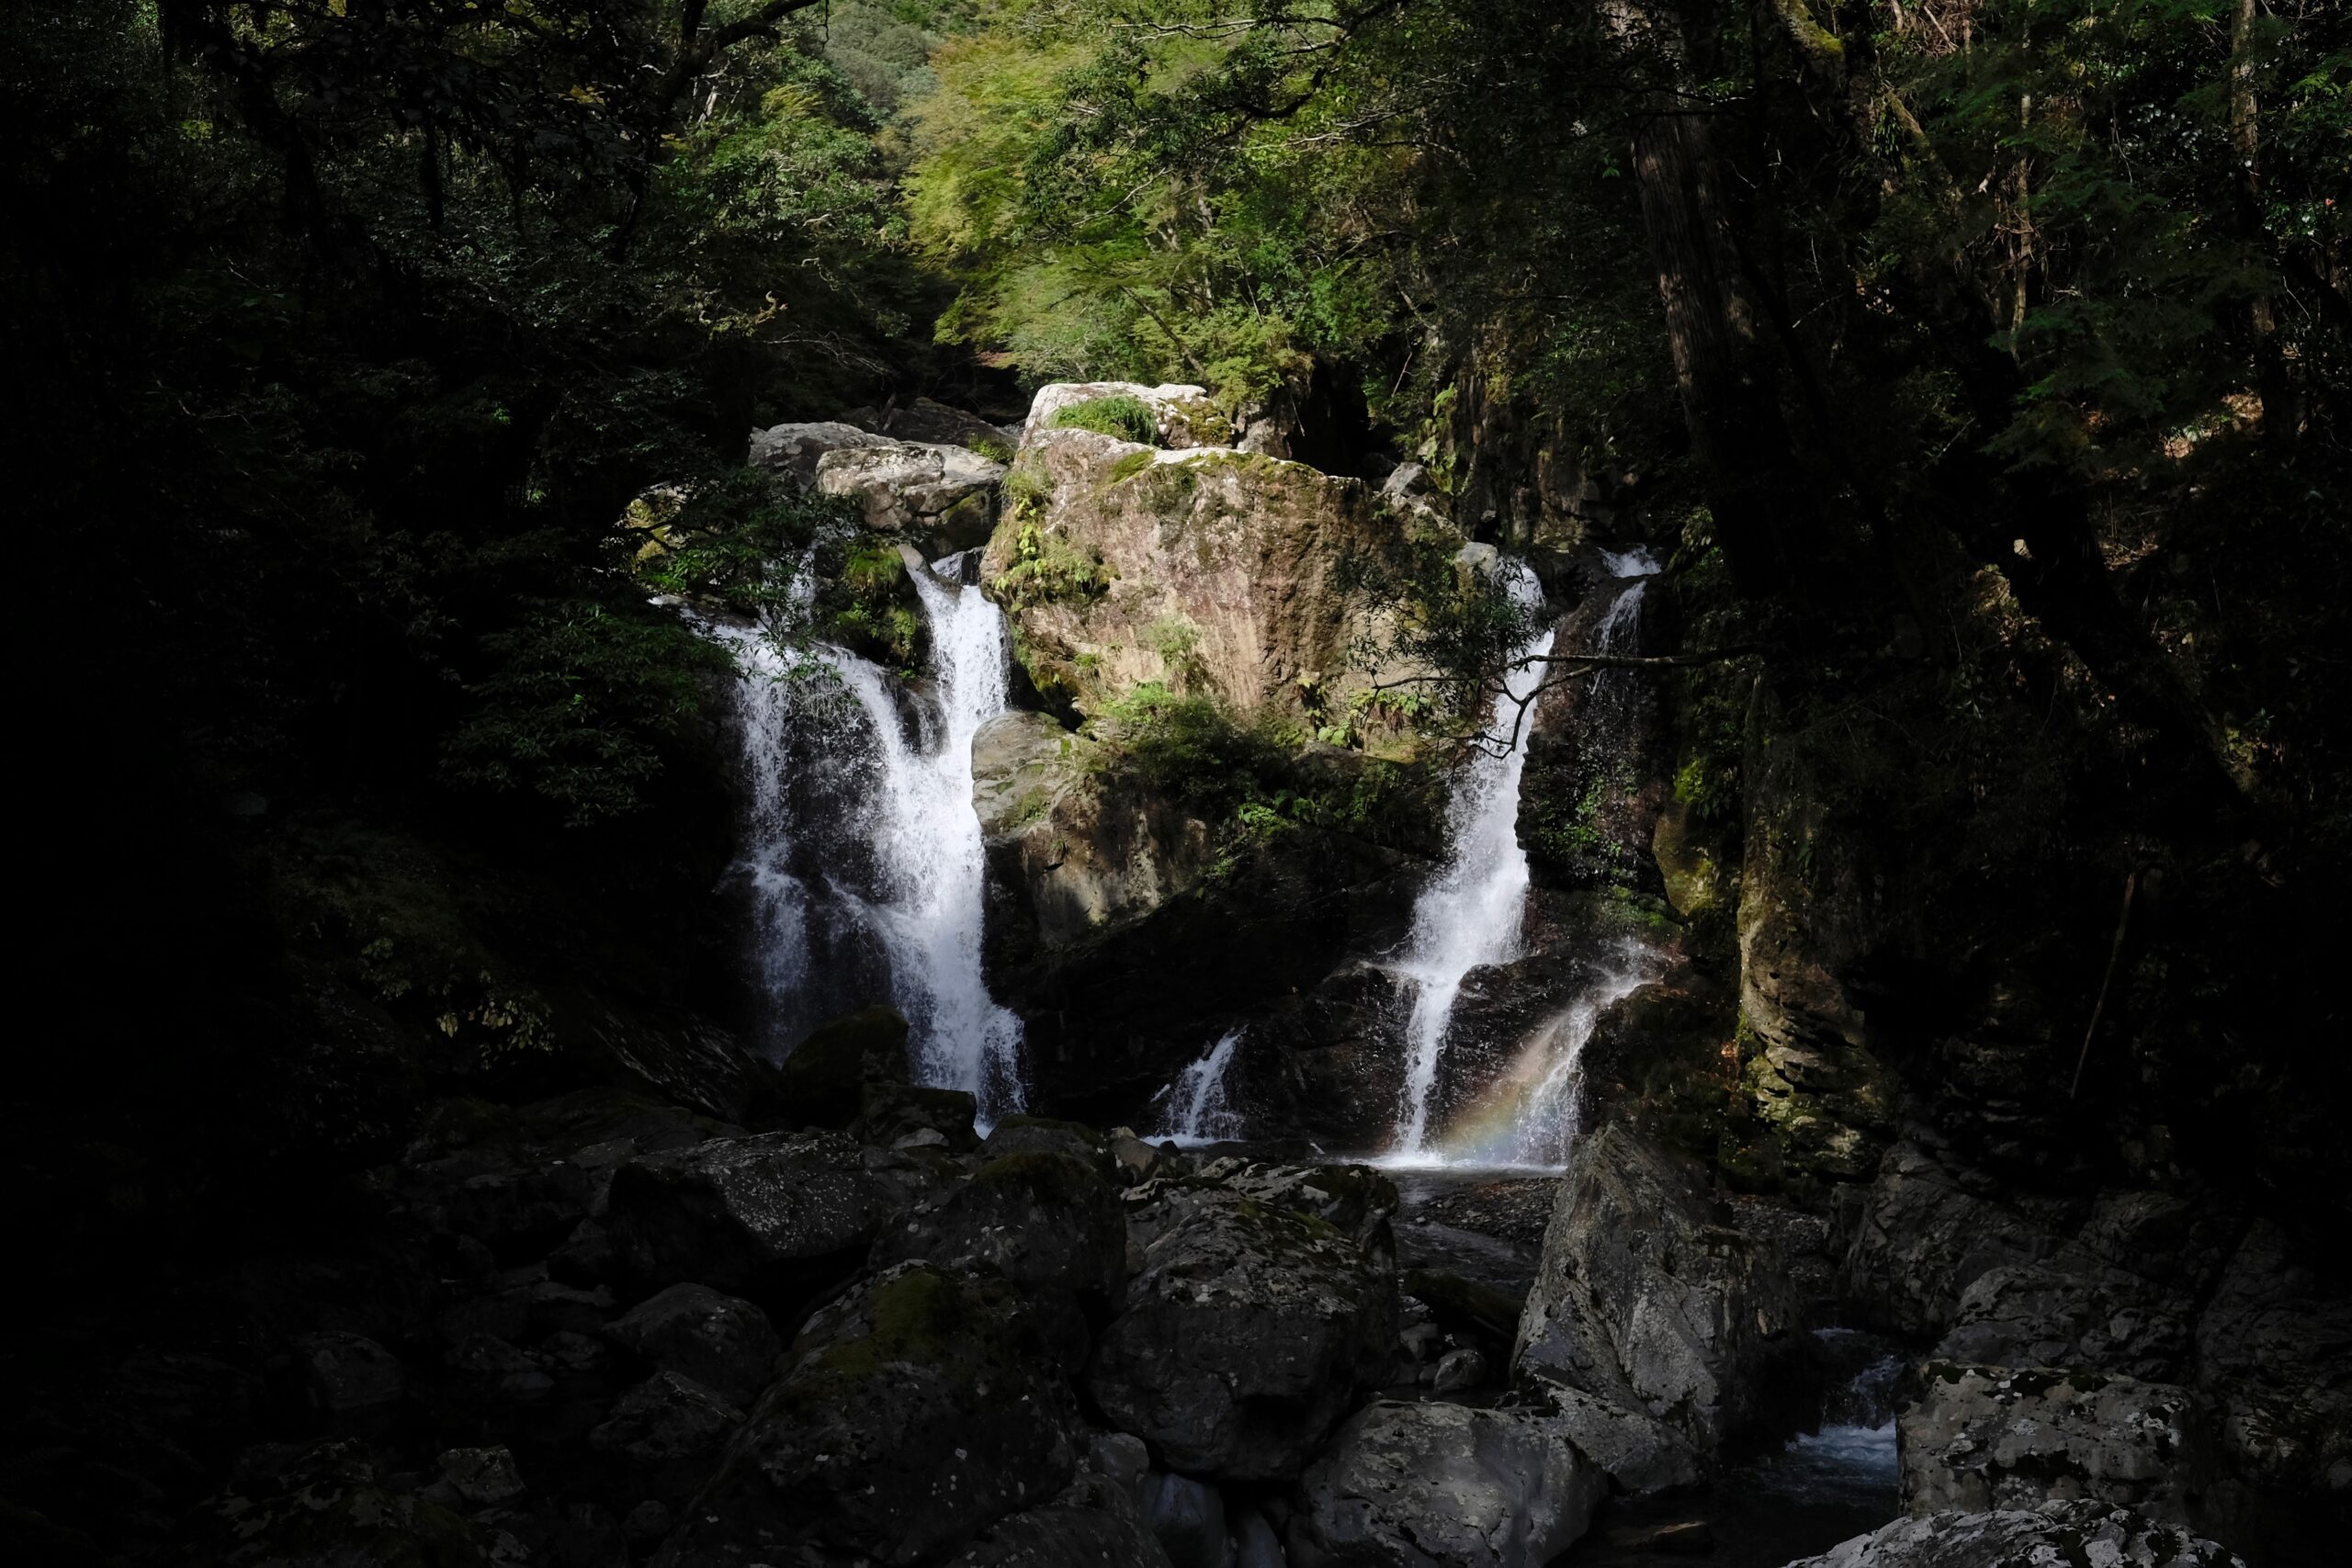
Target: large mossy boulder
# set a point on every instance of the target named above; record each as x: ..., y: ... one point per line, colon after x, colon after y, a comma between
x: 1085, y: 851
x: 1647, y: 1297
x: 822, y: 1082
x: 914, y: 1413
x: 1208, y: 569
x: 1420, y: 1486
x: 1246, y: 1334
x: 1046, y: 1221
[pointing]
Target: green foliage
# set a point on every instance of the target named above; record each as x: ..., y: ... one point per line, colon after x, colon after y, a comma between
x: 1129, y: 419
x: 384, y: 914
x: 579, y: 706
x: 741, y: 536
x: 1045, y: 567
x: 1252, y: 780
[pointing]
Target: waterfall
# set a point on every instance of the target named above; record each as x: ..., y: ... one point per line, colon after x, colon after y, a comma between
x: 1470, y: 916
x: 863, y: 856
x: 1198, y: 1109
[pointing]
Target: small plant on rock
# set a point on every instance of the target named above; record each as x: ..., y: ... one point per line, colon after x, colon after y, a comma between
x: 1127, y: 418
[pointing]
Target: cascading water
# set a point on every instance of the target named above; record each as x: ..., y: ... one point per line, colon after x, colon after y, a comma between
x: 863, y: 851
x: 1470, y: 916
x: 1197, y: 1108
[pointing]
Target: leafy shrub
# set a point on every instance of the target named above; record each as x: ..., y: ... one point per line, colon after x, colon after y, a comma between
x: 582, y: 704
x: 1127, y: 418
x: 1046, y: 569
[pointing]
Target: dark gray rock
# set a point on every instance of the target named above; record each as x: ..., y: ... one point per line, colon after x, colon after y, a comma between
x: 1634, y: 1448
x: 2274, y: 1348
x: 326, y: 1506
x: 477, y: 1477
x: 754, y: 1211
x: 720, y: 1341
x: 2079, y: 1532
x: 342, y: 1372
x: 1924, y: 1236
x: 795, y: 450
x: 2048, y: 1315
x: 1040, y: 1220
x: 915, y: 1412
x: 1245, y: 1334
x: 1185, y: 1517
x: 1256, y: 1544
x: 1985, y: 1438
x: 519, y: 1180
x: 1095, y: 1522
x: 1416, y: 1485
x: 904, y: 1116
x: 666, y: 1434
x: 1647, y: 1296
x: 1458, y: 1370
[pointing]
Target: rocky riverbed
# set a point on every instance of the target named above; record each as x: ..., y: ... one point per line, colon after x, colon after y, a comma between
x: 600, y: 1329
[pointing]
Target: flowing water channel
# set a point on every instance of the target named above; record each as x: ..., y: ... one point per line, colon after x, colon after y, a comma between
x: 862, y: 856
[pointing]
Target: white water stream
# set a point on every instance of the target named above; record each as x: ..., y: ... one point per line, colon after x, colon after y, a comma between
x: 1470, y: 916
x: 1198, y: 1107
x: 862, y: 843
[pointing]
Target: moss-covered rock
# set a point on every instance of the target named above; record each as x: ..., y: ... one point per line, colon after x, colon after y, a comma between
x: 913, y: 1412
x: 1246, y: 1335
x: 1248, y: 555
x: 821, y: 1084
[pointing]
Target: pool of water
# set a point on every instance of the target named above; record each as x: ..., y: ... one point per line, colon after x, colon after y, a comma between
x: 1821, y: 1488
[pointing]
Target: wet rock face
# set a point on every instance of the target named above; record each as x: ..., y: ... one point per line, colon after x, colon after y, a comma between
x: 755, y: 1211
x: 1647, y: 1298
x: 1245, y: 1333
x: 1994, y: 1438
x: 1411, y: 1485
x: 2058, y: 1533
x: 915, y: 1412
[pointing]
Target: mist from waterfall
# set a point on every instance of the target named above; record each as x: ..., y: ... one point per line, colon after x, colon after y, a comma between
x: 1470, y: 916
x: 863, y: 857
x: 1530, y: 1115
